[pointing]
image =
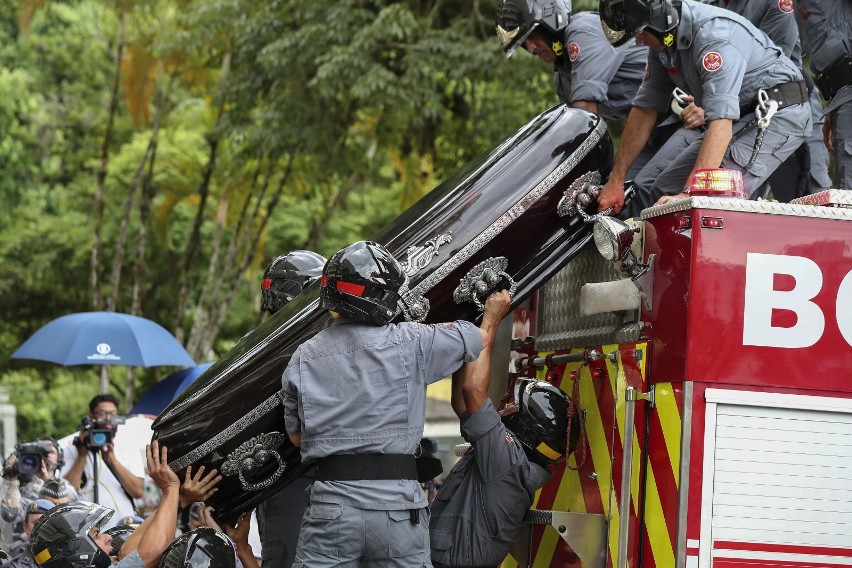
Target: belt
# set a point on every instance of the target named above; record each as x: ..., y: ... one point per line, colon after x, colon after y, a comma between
x: 785, y: 94
x: 837, y: 76
x: 352, y: 467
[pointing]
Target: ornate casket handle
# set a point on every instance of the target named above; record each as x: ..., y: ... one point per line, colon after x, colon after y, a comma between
x: 484, y: 279
x: 251, y: 455
x: 579, y: 195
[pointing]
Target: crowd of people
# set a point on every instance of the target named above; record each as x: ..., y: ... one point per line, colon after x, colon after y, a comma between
x: 702, y: 85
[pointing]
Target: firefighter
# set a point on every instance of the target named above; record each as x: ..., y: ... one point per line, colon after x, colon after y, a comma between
x: 826, y: 27
x: 753, y: 97
x: 587, y: 72
x: 479, y: 510
x: 279, y: 517
x: 809, y: 163
x: 354, y: 401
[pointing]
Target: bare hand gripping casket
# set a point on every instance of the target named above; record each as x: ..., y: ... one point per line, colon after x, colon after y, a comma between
x: 495, y: 220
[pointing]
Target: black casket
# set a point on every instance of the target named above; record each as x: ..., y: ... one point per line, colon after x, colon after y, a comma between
x: 498, y: 215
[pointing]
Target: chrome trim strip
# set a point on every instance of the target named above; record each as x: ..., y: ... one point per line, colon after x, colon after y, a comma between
x: 683, y: 488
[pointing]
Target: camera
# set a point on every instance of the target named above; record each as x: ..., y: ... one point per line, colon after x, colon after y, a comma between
x: 101, y: 430
x: 30, y: 457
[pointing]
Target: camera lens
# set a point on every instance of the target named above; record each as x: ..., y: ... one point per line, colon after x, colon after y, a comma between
x: 99, y: 438
x: 29, y: 464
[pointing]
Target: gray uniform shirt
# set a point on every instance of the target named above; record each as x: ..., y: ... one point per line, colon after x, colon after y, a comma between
x: 774, y: 17
x: 591, y: 70
x: 826, y: 29
x: 356, y: 388
x: 480, y: 508
x: 720, y: 58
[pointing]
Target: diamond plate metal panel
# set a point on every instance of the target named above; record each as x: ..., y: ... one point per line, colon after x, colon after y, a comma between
x: 830, y: 197
x: 748, y: 206
x: 560, y: 325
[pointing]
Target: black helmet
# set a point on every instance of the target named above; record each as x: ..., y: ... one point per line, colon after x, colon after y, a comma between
x: 516, y: 19
x: 541, y: 421
x: 119, y: 534
x: 63, y: 538
x: 287, y: 276
x: 363, y: 281
x: 202, y: 548
x: 623, y: 19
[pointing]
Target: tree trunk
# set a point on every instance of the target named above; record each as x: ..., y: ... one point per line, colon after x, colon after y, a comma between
x: 100, y: 184
x: 199, y: 344
x: 203, y: 192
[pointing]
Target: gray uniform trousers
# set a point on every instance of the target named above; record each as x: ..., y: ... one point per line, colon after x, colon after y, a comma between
x: 841, y: 120
x: 667, y: 172
x: 349, y: 537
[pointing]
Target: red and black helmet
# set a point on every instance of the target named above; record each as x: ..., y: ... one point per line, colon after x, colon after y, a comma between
x: 362, y: 281
x: 287, y: 276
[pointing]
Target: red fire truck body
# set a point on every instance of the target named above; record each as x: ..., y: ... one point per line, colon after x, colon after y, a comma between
x: 718, y: 416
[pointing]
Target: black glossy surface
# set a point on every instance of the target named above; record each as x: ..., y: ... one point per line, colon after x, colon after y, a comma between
x: 537, y: 244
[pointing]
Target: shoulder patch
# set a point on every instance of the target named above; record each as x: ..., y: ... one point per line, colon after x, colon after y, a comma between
x: 446, y: 325
x: 785, y: 6
x: 712, y: 61
x: 509, y: 438
x: 647, y: 70
x: 573, y: 51
x: 803, y: 12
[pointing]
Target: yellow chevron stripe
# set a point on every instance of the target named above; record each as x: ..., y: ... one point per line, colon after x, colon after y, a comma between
x: 655, y: 524
x: 671, y: 421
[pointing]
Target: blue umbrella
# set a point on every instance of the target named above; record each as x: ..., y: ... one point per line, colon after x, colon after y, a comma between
x: 161, y: 394
x: 104, y: 338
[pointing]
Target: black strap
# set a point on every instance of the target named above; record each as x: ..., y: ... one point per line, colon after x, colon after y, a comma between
x: 351, y: 467
x: 786, y: 94
x: 837, y: 76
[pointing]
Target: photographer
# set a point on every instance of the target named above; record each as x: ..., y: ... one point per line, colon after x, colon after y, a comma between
x: 98, y: 466
x: 24, y: 473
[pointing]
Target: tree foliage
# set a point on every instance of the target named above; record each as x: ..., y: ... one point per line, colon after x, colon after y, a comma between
x: 242, y: 129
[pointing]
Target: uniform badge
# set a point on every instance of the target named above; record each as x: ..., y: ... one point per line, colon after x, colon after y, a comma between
x: 647, y: 70
x: 573, y: 51
x: 712, y: 61
x: 785, y: 6
x: 509, y: 438
x: 803, y: 12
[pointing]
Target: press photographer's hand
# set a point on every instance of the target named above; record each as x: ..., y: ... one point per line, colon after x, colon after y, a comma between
x: 9, y: 469
x: 108, y: 453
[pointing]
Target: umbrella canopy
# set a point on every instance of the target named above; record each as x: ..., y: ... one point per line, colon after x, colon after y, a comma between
x: 104, y: 338
x: 161, y: 394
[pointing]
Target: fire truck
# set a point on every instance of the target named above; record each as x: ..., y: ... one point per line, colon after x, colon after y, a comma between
x: 711, y: 359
